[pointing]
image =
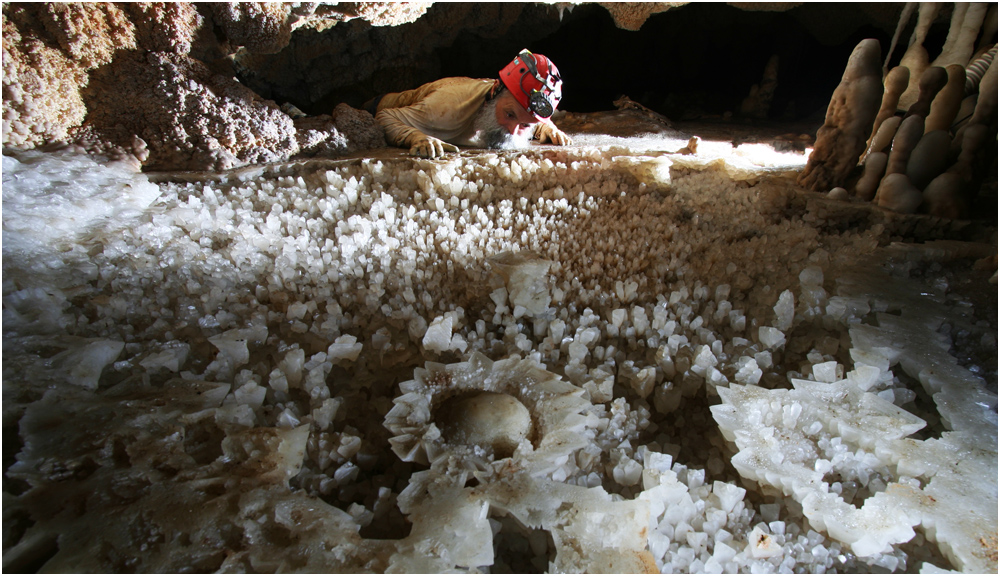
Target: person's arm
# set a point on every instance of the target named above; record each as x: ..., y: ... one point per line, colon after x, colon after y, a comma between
x: 424, y: 119
x: 546, y: 131
x: 399, y: 132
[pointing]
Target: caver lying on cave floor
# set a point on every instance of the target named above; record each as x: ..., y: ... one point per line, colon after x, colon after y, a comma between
x: 504, y: 113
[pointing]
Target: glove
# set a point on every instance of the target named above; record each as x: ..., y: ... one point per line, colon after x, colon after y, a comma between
x: 429, y: 146
x: 549, y: 133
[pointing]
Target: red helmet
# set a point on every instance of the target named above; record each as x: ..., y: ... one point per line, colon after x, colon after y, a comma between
x: 535, y: 83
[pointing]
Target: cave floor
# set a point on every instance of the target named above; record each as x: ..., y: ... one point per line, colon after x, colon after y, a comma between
x: 219, y: 380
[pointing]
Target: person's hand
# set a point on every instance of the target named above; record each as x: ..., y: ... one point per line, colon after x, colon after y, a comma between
x: 430, y: 147
x: 549, y: 133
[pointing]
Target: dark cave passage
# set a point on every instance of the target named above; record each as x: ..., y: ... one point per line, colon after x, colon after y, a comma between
x: 695, y: 62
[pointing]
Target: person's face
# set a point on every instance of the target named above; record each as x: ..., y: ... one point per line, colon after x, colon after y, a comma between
x: 513, y: 117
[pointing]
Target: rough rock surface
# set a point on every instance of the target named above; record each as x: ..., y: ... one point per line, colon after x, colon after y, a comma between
x: 346, y: 131
x: 151, y: 81
x: 189, y: 117
x: 388, y: 13
x: 89, y: 33
x: 632, y: 15
x: 41, y: 98
x: 262, y: 27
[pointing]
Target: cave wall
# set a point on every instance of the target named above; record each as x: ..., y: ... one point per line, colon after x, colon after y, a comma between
x: 199, y: 86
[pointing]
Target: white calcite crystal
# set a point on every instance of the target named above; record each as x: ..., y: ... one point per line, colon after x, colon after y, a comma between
x: 234, y: 344
x: 46, y: 214
x: 771, y: 337
x: 345, y: 347
x: 527, y: 281
x: 590, y: 530
x: 84, y: 364
x: 438, y: 338
x: 170, y: 358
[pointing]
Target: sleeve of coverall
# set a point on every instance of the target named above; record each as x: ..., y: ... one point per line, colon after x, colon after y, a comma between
x: 430, y: 112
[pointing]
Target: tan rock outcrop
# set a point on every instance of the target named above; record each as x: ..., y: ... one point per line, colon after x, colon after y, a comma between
x: 346, y: 131
x: 632, y: 15
x: 386, y: 13
x: 165, y: 27
x: 189, y: 117
x: 41, y: 97
x: 89, y: 33
x: 149, y: 80
x: 260, y: 27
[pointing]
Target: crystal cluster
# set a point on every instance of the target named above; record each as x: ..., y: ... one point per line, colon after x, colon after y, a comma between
x: 604, y: 358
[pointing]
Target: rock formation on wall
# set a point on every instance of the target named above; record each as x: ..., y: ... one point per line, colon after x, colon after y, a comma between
x: 153, y: 81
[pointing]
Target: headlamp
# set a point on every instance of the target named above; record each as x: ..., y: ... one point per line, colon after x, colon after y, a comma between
x: 538, y: 102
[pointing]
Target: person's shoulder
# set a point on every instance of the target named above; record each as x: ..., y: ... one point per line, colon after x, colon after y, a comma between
x: 462, y: 81
x: 472, y: 87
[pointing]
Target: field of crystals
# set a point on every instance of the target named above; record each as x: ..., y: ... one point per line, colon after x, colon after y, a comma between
x: 562, y: 360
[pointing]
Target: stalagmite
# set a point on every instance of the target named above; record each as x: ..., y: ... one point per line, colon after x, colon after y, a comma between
x: 929, y: 158
x: 895, y: 83
x: 895, y: 191
x: 853, y: 106
x: 898, y: 194
x: 872, y: 175
x: 915, y: 58
x: 966, y: 21
x: 948, y: 195
x: 910, y: 132
x: 904, y: 20
x: 947, y: 102
x: 931, y: 82
x: 886, y: 132
x: 989, y: 33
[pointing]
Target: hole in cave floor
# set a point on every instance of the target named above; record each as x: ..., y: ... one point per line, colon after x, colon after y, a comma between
x: 12, y: 445
x: 691, y: 435
x: 518, y: 549
x: 392, y: 525
x: 854, y: 490
x: 388, y: 522
x: 922, y: 549
x: 922, y: 406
